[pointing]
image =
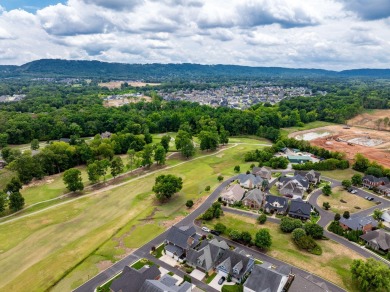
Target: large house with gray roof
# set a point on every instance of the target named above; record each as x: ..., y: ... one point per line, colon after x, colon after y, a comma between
x: 293, y: 187
x: 378, y: 240
x: 265, y: 278
x: 232, y: 194
x: 300, y: 209
x: 166, y: 284
x: 263, y: 172
x: 254, y: 199
x: 250, y: 181
x: 131, y: 280
x: 364, y: 224
x: 312, y: 176
x: 370, y: 181
x: 275, y: 204
x: 179, y: 240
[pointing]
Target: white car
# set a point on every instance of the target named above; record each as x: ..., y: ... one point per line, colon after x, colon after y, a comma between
x: 204, y: 228
x: 353, y: 191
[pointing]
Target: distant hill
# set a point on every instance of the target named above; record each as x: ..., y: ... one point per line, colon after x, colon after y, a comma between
x: 46, y: 68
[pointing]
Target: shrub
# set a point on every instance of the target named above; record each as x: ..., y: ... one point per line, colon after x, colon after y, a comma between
x: 308, y: 243
x: 187, y: 278
x: 220, y: 178
x: 237, y: 168
x: 326, y: 205
x: 298, y: 233
x: 189, y: 203
x: 336, y: 228
x: 337, y: 217
x: 263, y: 239
x: 346, y: 214
x: 262, y: 219
x: 327, y: 190
x: 289, y: 224
x: 314, y: 230
x: 246, y: 237
x: 220, y: 227
x: 235, y: 235
x: 207, y: 188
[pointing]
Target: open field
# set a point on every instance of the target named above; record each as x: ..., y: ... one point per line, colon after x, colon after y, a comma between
x: 317, y: 124
x: 340, y: 174
x: 127, y: 100
x: 67, y: 244
x: 351, y: 201
x: 373, y: 144
x: 373, y: 119
x: 332, y: 265
x: 117, y: 84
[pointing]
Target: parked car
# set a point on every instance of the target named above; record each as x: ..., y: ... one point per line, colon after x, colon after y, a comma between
x: 353, y: 191
x: 369, y: 198
x: 215, y: 232
x: 205, y: 229
x: 220, y: 282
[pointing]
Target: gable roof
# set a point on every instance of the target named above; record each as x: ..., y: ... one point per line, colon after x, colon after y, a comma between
x: 303, y: 181
x: 310, y: 175
x: 165, y: 284
x: 357, y: 223
x: 206, y: 256
x: 378, y: 237
x: 233, y: 192
x: 386, y: 216
x: 180, y: 235
x: 131, y: 279
x: 300, y: 208
x: 264, y: 279
x: 262, y: 171
x: 233, y: 259
x: 255, y: 195
x: 375, y: 179
x: 307, y: 284
x: 272, y: 201
x: 255, y: 180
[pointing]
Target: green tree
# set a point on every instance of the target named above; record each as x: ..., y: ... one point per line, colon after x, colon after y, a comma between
x: 116, y: 166
x: 93, y: 172
x: 72, y: 180
x: 375, y: 171
x: 187, y: 148
x: 3, y: 201
x: 263, y: 239
x: 3, y: 140
x: 16, y: 201
x: 371, y: 275
x: 220, y: 178
x: 237, y: 168
x: 246, y: 237
x: 264, y: 184
x: 208, y: 140
x: 166, y: 186
x: 220, y: 227
x: 327, y: 190
x: 182, y: 138
x: 160, y: 155
x: 189, y: 203
x: 13, y: 186
x: 314, y: 230
x: 337, y: 217
x: 207, y: 188
x: 357, y: 179
x: 223, y: 136
x: 298, y: 233
x: 131, y: 155
x: 346, y: 184
x: 147, y: 156
x: 235, y: 235
x: 289, y: 224
x: 377, y: 214
x: 103, y: 166
x: 35, y: 144
x: 326, y: 205
x: 165, y: 142
x: 361, y: 163
x: 262, y: 219
x: 346, y: 214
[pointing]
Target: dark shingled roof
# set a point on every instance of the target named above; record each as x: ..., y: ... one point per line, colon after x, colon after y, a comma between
x: 375, y: 179
x: 264, y: 279
x: 310, y: 175
x: 232, y: 259
x: 378, y: 237
x: 300, y: 208
x: 131, y: 280
x: 179, y: 236
x: 299, y: 178
x: 307, y: 284
x: 271, y: 200
x: 357, y: 223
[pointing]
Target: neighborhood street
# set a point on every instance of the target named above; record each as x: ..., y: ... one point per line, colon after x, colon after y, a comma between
x: 326, y: 218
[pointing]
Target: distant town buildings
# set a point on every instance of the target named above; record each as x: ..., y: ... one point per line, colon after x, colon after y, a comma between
x: 238, y: 96
x: 11, y: 98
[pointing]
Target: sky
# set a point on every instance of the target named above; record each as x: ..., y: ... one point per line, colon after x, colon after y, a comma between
x: 328, y: 34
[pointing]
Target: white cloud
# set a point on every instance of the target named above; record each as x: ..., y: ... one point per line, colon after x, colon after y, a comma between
x: 330, y: 34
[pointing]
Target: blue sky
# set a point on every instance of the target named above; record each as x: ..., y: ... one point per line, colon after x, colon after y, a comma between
x: 30, y: 5
x: 329, y: 34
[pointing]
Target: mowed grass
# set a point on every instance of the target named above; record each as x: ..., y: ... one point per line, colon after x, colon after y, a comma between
x: 5, y: 177
x: 351, y: 201
x: 63, y: 246
x: 317, y: 124
x: 340, y: 174
x: 332, y: 265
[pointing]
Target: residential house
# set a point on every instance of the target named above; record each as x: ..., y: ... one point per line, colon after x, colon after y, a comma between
x: 263, y: 172
x: 293, y: 187
x: 205, y: 256
x: 370, y: 181
x: 307, y: 284
x: 300, y: 209
x: 364, y: 224
x: 131, y: 280
x: 166, y: 284
x: 383, y: 190
x: 250, y: 181
x: 105, y: 135
x: 264, y: 278
x: 378, y: 240
x: 234, y: 263
x: 312, y: 176
x: 179, y: 240
x: 254, y: 199
x: 386, y: 216
x: 275, y: 204
x: 298, y: 158
x: 2, y: 163
x: 232, y: 194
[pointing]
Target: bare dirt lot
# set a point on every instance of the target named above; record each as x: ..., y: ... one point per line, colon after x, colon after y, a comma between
x: 117, y: 84
x: 373, y: 144
x: 375, y: 119
x: 123, y: 101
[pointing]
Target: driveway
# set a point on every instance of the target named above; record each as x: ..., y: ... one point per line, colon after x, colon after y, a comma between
x: 170, y: 261
x: 214, y: 283
x: 197, y: 274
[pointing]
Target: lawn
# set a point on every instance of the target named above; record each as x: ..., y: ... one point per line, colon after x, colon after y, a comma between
x: 141, y: 263
x: 351, y: 201
x: 5, y: 177
x: 340, y: 174
x: 60, y: 248
x: 211, y: 277
x: 333, y: 264
x: 274, y: 190
x: 232, y: 288
x: 317, y: 124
